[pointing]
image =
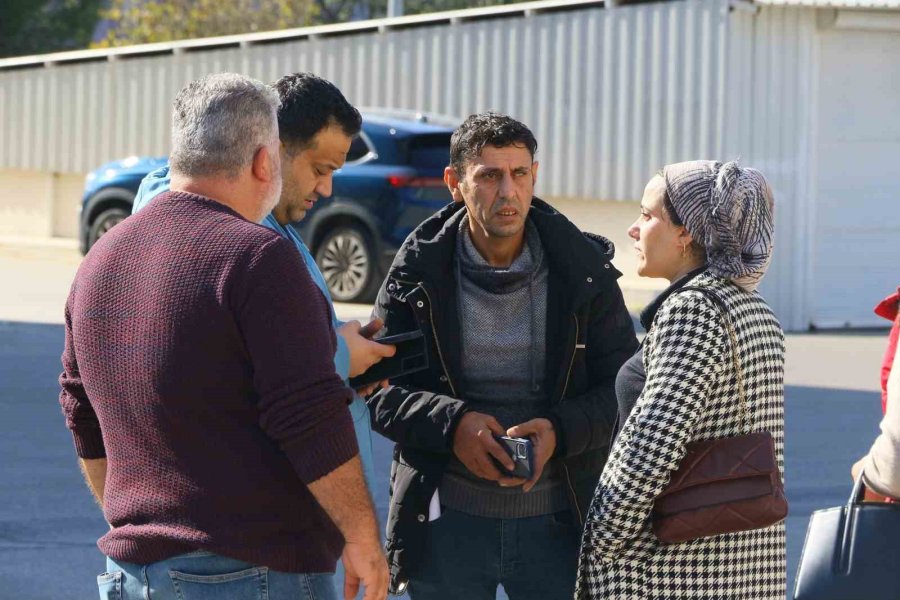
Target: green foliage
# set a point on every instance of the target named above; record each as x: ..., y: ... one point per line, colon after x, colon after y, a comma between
x: 167, y: 20
x: 137, y: 22
x: 339, y: 11
x: 40, y: 26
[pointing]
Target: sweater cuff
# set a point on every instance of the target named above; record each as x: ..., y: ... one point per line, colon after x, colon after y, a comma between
x: 454, y: 423
x: 560, y: 450
x: 89, y: 442
x: 319, y: 454
x: 877, y: 474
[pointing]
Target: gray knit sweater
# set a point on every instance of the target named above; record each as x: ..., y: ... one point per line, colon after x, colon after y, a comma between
x: 503, y: 332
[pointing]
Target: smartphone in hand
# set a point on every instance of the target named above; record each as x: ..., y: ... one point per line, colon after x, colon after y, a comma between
x: 411, y: 356
x: 521, y: 451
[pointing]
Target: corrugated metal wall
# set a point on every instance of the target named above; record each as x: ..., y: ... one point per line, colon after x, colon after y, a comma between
x: 612, y: 94
x: 769, y: 125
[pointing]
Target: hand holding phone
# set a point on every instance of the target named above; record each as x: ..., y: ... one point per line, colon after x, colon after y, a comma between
x: 521, y: 451
x: 476, y: 446
x: 543, y: 437
x: 363, y: 352
x: 410, y: 355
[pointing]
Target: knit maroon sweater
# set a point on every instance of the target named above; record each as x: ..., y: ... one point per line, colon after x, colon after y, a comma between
x: 199, y: 361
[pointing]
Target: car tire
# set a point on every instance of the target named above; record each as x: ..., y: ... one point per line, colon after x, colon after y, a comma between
x: 105, y: 221
x: 346, y: 257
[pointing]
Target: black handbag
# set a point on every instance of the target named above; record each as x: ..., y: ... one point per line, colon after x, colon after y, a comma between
x: 851, y: 552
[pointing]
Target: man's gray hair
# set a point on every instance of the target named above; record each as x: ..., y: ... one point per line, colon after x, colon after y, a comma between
x: 219, y: 122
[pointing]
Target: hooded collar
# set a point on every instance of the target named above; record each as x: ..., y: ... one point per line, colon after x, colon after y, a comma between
x: 582, y: 260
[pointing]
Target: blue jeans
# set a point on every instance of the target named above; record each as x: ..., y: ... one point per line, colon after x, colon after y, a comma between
x: 206, y: 576
x: 468, y: 557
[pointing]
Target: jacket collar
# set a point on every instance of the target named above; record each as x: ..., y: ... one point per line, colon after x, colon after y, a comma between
x: 581, y: 260
x: 649, y: 313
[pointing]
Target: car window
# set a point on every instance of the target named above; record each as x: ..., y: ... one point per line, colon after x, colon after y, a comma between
x: 358, y: 149
x: 429, y: 151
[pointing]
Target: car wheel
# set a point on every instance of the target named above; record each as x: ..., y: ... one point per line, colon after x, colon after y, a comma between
x: 346, y: 258
x: 104, y: 222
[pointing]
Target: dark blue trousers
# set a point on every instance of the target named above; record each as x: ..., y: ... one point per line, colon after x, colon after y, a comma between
x: 533, y: 558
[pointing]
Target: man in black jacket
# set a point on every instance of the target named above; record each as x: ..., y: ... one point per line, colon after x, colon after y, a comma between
x: 526, y: 329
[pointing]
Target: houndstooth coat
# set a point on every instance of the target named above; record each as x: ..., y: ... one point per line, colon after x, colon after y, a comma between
x: 690, y: 394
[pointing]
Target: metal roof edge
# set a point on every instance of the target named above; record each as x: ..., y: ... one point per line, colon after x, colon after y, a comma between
x: 523, y: 9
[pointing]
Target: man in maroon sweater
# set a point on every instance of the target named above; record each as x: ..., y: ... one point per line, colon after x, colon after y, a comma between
x: 199, y: 382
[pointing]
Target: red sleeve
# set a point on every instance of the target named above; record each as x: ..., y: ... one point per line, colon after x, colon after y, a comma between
x: 888, y: 362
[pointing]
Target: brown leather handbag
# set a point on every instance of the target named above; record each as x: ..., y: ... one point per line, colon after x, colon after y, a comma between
x: 722, y: 485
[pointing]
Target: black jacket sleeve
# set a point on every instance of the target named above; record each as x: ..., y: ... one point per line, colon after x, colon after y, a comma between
x: 587, y: 420
x: 407, y: 412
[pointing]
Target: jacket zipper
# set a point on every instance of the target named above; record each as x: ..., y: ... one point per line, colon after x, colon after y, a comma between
x: 562, y: 396
x: 437, y: 341
x: 437, y: 344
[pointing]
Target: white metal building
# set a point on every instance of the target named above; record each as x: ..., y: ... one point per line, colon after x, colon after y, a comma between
x: 808, y: 91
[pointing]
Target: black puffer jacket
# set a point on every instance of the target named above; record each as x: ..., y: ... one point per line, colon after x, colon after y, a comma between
x: 589, y: 336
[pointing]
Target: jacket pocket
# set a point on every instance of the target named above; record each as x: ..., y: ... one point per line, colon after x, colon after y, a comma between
x: 249, y: 584
x: 110, y: 585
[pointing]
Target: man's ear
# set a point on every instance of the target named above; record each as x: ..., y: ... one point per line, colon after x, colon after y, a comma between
x: 262, y: 165
x: 534, y: 170
x: 451, y: 178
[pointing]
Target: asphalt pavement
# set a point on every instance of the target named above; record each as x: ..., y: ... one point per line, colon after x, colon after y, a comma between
x: 49, y: 523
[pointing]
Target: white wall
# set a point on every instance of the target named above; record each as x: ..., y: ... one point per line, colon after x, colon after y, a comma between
x: 36, y: 204
x: 611, y: 93
x: 856, y: 259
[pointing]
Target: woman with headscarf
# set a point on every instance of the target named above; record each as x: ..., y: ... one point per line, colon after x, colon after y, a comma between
x: 709, y: 225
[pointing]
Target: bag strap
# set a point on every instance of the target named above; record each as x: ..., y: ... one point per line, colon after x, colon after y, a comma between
x: 732, y: 334
x: 856, y: 496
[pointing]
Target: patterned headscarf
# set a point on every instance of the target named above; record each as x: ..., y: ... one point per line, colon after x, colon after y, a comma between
x: 727, y: 210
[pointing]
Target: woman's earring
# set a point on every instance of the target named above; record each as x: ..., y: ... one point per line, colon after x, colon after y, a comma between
x: 683, y: 250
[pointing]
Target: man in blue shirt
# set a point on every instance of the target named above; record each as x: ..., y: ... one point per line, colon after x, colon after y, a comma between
x: 316, y: 126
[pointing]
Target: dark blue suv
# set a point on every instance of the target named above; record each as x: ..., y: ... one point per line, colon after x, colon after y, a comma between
x: 392, y: 181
